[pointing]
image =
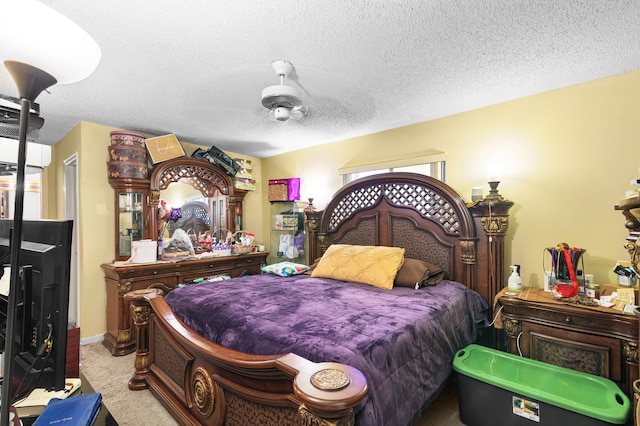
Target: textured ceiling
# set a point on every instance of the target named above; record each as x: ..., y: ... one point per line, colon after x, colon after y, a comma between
x: 197, y: 68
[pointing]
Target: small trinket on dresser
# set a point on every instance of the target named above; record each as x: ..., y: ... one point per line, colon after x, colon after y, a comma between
x: 593, y: 290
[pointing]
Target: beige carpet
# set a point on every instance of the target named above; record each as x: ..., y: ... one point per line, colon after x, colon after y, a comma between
x: 109, y: 375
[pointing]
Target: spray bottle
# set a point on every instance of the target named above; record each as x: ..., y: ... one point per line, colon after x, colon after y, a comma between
x: 515, y: 282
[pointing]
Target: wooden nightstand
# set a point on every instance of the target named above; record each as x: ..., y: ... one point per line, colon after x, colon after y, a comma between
x: 604, y: 343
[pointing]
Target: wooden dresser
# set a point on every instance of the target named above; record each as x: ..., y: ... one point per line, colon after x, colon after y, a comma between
x: 122, y: 279
x: 592, y: 341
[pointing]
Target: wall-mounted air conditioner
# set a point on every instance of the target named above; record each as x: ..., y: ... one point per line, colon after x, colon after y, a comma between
x: 38, y: 156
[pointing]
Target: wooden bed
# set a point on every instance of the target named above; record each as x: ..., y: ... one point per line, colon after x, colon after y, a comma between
x: 200, y: 382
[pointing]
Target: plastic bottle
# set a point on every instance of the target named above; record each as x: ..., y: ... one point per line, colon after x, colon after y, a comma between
x: 515, y: 282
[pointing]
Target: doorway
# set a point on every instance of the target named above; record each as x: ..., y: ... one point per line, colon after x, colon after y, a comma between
x: 70, y: 200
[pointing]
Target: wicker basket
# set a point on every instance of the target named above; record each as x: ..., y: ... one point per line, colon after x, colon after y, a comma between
x: 242, y: 248
x: 238, y: 248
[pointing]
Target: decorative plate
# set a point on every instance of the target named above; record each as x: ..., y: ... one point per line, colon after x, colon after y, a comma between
x: 330, y: 379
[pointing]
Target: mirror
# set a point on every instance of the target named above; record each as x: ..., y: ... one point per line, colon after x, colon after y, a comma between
x: 196, y: 212
x: 204, y: 194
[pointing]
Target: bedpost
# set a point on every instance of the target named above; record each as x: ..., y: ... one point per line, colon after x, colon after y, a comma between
x: 313, y: 219
x: 491, y: 218
x: 140, y: 311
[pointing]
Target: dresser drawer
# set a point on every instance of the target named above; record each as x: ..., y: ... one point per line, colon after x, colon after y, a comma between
x: 575, y: 318
x: 597, y: 355
x: 243, y: 262
x: 211, y: 271
x: 141, y: 272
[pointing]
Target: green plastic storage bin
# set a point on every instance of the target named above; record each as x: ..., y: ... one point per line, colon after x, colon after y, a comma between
x: 498, y: 388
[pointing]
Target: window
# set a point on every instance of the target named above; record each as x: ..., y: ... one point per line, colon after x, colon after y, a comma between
x: 430, y: 165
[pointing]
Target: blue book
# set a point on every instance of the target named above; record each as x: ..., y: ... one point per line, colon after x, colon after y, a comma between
x: 78, y: 410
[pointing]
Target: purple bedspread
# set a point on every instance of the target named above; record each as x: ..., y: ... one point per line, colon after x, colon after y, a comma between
x: 403, y: 340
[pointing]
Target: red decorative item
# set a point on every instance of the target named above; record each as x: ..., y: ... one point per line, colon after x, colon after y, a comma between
x: 564, y: 261
x: 566, y: 290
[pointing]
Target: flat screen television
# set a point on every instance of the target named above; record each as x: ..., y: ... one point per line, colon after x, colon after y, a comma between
x: 41, y: 321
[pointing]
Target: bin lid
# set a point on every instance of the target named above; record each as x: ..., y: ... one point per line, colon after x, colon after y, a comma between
x: 583, y: 393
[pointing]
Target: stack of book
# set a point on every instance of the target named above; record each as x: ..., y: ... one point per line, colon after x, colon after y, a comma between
x: 80, y: 410
x: 64, y: 407
x: 34, y: 403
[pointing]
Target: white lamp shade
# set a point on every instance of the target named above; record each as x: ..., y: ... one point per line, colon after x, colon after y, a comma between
x: 35, y: 34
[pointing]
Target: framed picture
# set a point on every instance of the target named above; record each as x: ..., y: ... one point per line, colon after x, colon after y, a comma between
x: 163, y: 148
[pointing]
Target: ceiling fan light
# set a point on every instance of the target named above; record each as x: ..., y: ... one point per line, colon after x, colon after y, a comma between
x: 281, y: 114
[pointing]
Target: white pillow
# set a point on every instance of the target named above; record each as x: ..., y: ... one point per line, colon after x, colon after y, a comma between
x: 285, y: 269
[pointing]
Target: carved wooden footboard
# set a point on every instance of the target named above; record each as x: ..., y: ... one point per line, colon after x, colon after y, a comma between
x: 200, y: 382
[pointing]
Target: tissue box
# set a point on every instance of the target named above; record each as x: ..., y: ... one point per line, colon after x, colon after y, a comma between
x: 627, y: 280
x: 625, y: 274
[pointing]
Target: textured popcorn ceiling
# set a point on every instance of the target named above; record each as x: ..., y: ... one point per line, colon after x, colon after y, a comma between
x: 197, y: 68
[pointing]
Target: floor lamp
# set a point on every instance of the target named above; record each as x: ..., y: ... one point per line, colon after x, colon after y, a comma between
x: 40, y: 47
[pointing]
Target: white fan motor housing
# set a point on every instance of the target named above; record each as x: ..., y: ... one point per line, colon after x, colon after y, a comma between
x: 281, y: 96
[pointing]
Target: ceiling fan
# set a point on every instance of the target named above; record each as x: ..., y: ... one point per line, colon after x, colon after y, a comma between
x: 282, y: 103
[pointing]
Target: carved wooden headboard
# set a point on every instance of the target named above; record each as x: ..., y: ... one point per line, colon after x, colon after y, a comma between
x: 426, y: 217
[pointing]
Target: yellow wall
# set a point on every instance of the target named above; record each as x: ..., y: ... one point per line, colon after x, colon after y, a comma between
x: 95, y: 223
x: 567, y: 157
x: 96, y: 212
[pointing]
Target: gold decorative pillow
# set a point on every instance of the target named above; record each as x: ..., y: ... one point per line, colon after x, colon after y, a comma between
x: 373, y: 265
x: 418, y: 273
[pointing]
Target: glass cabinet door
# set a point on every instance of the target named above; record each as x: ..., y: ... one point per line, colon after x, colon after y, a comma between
x: 288, y: 242
x: 130, y: 220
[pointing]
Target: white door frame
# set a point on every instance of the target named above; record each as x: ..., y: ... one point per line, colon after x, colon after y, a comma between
x: 70, y: 202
